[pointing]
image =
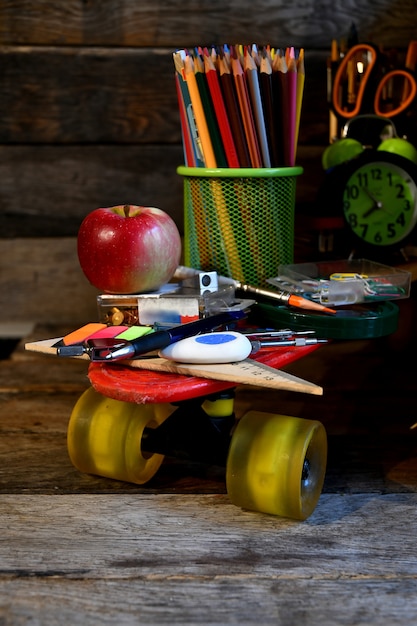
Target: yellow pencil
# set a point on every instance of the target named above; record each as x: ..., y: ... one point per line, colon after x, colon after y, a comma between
x: 300, y: 91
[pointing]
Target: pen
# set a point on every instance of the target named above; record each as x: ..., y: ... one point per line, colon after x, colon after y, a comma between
x: 163, y: 338
x: 258, y: 344
x: 225, y: 347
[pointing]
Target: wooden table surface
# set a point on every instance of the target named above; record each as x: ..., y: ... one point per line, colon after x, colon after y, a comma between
x: 78, y: 549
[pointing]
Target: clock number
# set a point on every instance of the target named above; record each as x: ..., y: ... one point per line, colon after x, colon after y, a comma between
x: 353, y: 220
x: 352, y: 192
x: 391, y: 232
x: 363, y: 179
x: 376, y: 174
x: 364, y: 228
x: 400, y: 190
x: 380, y: 202
x: 400, y: 220
x: 401, y: 196
x: 355, y: 225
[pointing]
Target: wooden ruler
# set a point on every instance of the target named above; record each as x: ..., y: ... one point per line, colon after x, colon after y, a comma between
x: 247, y: 372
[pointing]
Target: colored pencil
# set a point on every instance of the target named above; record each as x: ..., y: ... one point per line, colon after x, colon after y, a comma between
x: 240, y: 105
x: 271, y: 116
x: 251, y: 72
x: 220, y: 109
x: 291, y: 95
x: 300, y: 93
x: 185, y: 104
x: 232, y: 106
x: 203, y: 131
x: 189, y: 154
x: 245, y: 110
x: 283, y: 102
x: 209, y: 112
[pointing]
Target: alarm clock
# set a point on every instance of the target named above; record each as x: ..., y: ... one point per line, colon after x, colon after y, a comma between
x: 375, y: 191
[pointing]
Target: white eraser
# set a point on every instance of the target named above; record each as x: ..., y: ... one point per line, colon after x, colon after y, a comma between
x: 215, y: 347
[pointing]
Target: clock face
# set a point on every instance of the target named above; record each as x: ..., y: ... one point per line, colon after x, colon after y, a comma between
x: 380, y: 203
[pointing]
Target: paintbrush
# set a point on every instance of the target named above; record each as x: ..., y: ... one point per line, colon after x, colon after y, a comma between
x: 282, y: 297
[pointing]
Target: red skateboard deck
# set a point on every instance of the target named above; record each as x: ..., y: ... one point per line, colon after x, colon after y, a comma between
x: 141, y: 386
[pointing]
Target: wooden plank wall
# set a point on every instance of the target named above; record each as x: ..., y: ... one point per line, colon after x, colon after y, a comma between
x: 88, y: 115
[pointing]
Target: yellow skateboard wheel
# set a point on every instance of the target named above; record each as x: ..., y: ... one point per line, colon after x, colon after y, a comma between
x: 104, y: 437
x: 276, y: 464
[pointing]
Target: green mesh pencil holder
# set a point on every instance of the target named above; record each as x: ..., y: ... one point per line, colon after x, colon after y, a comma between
x: 239, y: 222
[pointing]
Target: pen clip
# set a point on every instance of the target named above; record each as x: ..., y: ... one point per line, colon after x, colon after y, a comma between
x: 98, y: 349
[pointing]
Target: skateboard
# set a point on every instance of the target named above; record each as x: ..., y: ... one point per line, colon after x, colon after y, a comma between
x: 133, y: 416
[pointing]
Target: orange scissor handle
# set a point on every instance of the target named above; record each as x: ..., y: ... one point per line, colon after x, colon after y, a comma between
x: 409, y: 91
x: 343, y: 72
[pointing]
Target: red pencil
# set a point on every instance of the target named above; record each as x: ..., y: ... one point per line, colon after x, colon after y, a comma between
x: 232, y: 107
x: 219, y: 107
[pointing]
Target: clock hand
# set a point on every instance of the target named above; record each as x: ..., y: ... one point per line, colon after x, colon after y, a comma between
x: 370, y: 211
x: 376, y: 203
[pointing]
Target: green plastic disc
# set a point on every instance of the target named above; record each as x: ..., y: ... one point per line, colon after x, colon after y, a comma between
x: 355, y: 322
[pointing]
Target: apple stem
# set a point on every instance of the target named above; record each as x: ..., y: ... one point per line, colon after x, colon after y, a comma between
x: 126, y: 210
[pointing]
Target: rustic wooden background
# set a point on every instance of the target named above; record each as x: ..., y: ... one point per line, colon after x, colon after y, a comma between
x: 89, y: 117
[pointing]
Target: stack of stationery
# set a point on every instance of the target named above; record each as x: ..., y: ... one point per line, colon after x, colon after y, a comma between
x: 239, y: 106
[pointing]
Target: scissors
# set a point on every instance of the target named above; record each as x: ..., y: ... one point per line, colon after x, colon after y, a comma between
x: 361, y: 85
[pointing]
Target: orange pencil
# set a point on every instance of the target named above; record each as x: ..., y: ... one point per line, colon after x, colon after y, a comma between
x: 186, y: 111
x: 303, y: 303
x: 208, y: 108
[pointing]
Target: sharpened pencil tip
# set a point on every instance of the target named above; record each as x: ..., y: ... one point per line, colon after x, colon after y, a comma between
x: 303, y: 303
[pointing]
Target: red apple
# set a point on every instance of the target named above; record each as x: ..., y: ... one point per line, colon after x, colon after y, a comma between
x: 128, y: 249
